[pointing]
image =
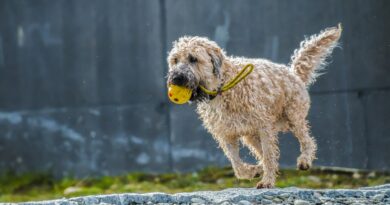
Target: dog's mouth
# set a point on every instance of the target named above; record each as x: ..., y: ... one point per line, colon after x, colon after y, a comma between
x: 198, y: 95
x: 193, y: 84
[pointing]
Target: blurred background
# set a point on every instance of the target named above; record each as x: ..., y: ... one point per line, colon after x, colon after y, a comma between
x: 82, y: 83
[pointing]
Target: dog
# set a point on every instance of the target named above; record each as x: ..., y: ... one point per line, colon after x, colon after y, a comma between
x: 273, y: 98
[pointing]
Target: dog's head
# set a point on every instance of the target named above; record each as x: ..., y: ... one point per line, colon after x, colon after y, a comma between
x: 195, y: 61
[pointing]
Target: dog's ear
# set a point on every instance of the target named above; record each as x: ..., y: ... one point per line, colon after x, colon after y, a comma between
x: 216, y: 60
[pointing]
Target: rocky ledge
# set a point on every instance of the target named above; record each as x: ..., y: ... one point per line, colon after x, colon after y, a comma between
x: 243, y: 196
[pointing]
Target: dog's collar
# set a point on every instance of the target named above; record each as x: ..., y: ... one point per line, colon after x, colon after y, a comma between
x: 207, y: 95
x: 211, y: 97
x: 222, y: 88
x: 219, y: 92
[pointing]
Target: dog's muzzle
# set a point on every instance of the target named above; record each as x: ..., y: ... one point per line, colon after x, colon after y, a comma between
x: 180, y: 80
x: 183, y: 76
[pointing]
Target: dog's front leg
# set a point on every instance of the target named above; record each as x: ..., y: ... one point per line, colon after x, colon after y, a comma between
x: 269, y: 144
x: 241, y: 169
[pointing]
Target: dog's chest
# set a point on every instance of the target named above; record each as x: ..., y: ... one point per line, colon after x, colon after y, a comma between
x: 221, y: 121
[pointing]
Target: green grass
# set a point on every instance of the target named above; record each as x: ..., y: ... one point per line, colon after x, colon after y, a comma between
x: 27, y: 187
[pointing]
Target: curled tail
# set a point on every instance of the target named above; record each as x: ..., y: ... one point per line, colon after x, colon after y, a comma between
x: 311, y: 56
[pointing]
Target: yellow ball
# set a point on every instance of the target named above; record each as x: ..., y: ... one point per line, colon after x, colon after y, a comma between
x: 179, y: 94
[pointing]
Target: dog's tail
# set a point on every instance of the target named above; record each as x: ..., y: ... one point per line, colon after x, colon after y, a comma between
x: 310, y: 58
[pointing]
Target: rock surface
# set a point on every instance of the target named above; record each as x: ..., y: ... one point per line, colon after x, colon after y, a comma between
x: 296, y: 196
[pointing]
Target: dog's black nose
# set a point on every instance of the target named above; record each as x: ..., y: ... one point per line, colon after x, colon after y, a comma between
x: 179, y: 80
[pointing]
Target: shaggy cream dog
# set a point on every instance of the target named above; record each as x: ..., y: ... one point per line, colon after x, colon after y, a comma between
x: 273, y: 98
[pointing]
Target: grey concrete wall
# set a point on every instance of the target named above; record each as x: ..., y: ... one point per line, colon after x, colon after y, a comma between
x: 82, y: 82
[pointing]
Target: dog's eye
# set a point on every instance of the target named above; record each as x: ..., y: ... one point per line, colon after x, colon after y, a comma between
x: 175, y: 60
x: 192, y: 59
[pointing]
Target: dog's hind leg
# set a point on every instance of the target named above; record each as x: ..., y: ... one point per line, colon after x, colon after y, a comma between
x: 300, y: 128
x: 307, y: 144
x: 241, y: 169
x: 269, y: 145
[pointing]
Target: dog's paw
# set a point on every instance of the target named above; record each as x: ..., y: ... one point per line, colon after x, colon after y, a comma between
x: 303, y: 164
x: 248, y: 171
x: 256, y: 170
x: 244, y: 174
x: 264, y: 185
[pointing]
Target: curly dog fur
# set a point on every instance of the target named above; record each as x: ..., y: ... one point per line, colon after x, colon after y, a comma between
x: 273, y: 98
